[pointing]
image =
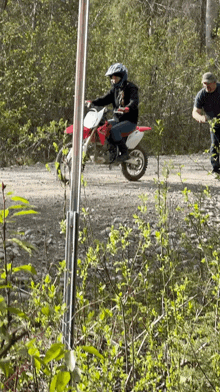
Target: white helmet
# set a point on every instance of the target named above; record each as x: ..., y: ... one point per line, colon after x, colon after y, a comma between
x: 118, y: 69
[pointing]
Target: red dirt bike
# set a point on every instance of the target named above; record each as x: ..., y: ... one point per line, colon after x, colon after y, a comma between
x: 98, y: 148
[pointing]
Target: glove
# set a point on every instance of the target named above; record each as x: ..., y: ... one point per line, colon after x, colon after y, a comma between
x: 124, y: 110
x: 88, y: 104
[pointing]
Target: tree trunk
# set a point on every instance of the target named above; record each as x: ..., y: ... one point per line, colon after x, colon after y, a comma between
x: 3, y: 4
x: 211, y: 17
x: 202, y: 25
x: 34, y: 15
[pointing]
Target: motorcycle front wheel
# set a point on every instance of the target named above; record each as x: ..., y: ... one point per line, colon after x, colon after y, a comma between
x: 63, y: 164
x: 134, y: 172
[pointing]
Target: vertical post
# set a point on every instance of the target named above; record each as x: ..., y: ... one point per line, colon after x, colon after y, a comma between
x: 75, y: 185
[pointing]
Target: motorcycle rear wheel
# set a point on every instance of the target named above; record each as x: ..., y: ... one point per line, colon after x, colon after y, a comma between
x: 133, y: 172
x: 63, y: 165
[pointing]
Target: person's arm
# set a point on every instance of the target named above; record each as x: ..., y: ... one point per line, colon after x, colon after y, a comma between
x: 198, y: 116
x: 105, y: 100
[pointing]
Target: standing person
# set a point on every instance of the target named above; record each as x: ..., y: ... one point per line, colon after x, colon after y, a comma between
x: 206, y: 107
x: 124, y: 97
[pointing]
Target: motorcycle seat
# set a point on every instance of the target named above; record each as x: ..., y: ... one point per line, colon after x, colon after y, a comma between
x: 140, y: 129
x: 125, y: 134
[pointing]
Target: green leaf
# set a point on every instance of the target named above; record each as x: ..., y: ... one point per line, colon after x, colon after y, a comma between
x: 54, y: 352
x: 3, y: 214
x: 37, y: 363
x: 46, y: 369
x: 5, y: 366
x: 18, y: 206
x: 62, y: 380
x: 18, y: 312
x: 46, y: 310
x: 6, y: 286
x: 56, y: 148
x: 30, y: 343
x: 3, y: 275
x: 53, y: 384
x: 2, y: 303
x: 28, y: 212
x: 33, y: 351
x: 17, y: 198
x: 92, y: 350
x: 23, y: 245
x: 48, y: 167
x: 27, y: 268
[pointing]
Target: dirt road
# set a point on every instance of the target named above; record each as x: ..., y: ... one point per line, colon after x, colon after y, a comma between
x: 107, y: 196
x: 41, y: 187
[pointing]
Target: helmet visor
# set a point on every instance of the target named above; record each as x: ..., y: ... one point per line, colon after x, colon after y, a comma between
x: 118, y: 74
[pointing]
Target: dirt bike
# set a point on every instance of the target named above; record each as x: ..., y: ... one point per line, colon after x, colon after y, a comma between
x: 98, y: 148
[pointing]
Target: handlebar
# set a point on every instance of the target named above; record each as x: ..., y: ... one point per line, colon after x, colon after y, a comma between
x: 90, y: 105
x: 118, y: 111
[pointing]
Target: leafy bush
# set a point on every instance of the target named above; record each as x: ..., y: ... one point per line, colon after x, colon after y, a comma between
x: 152, y: 307
x: 29, y: 318
x: 33, y: 146
x: 37, y: 68
x: 147, y: 316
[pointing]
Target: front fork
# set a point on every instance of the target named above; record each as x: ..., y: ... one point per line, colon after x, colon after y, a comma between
x: 87, y: 142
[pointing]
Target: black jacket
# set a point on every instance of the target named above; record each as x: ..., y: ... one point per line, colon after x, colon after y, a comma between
x: 126, y: 96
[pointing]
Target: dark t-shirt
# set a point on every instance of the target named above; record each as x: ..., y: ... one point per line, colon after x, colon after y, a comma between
x: 210, y: 102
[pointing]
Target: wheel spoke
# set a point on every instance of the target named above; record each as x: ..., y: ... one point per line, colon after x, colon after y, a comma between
x: 135, y: 169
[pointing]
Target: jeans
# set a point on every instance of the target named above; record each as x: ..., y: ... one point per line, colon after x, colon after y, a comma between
x: 120, y: 127
x: 214, y: 149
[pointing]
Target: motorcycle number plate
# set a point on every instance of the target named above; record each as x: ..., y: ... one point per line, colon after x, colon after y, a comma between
x: 90, y: 119
x: 93, y: 118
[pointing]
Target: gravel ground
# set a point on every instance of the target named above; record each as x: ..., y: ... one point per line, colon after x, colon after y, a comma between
x: 108, y: 197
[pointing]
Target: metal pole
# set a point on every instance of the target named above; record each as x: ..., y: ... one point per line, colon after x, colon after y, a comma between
x: 73, y: 213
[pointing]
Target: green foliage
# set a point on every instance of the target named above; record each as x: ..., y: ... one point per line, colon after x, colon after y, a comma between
x: 166, y: 63
x: 147, y: 315
x: 40, y: 145
x: 32, y: 355
x: 160, y: 45
x: 36, y: 72
x: 29, y: 330
x: 150, y: 306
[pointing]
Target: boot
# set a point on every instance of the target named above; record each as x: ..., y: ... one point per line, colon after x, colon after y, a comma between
x: 123, y: 150
x: 110, y: 151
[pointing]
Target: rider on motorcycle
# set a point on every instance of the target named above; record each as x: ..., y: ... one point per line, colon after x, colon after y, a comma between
x: 124, y: 98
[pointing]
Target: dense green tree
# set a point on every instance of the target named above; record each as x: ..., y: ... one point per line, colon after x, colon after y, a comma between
x: 38, y: 44
x: 163, y: 57
x: 162, y: 45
